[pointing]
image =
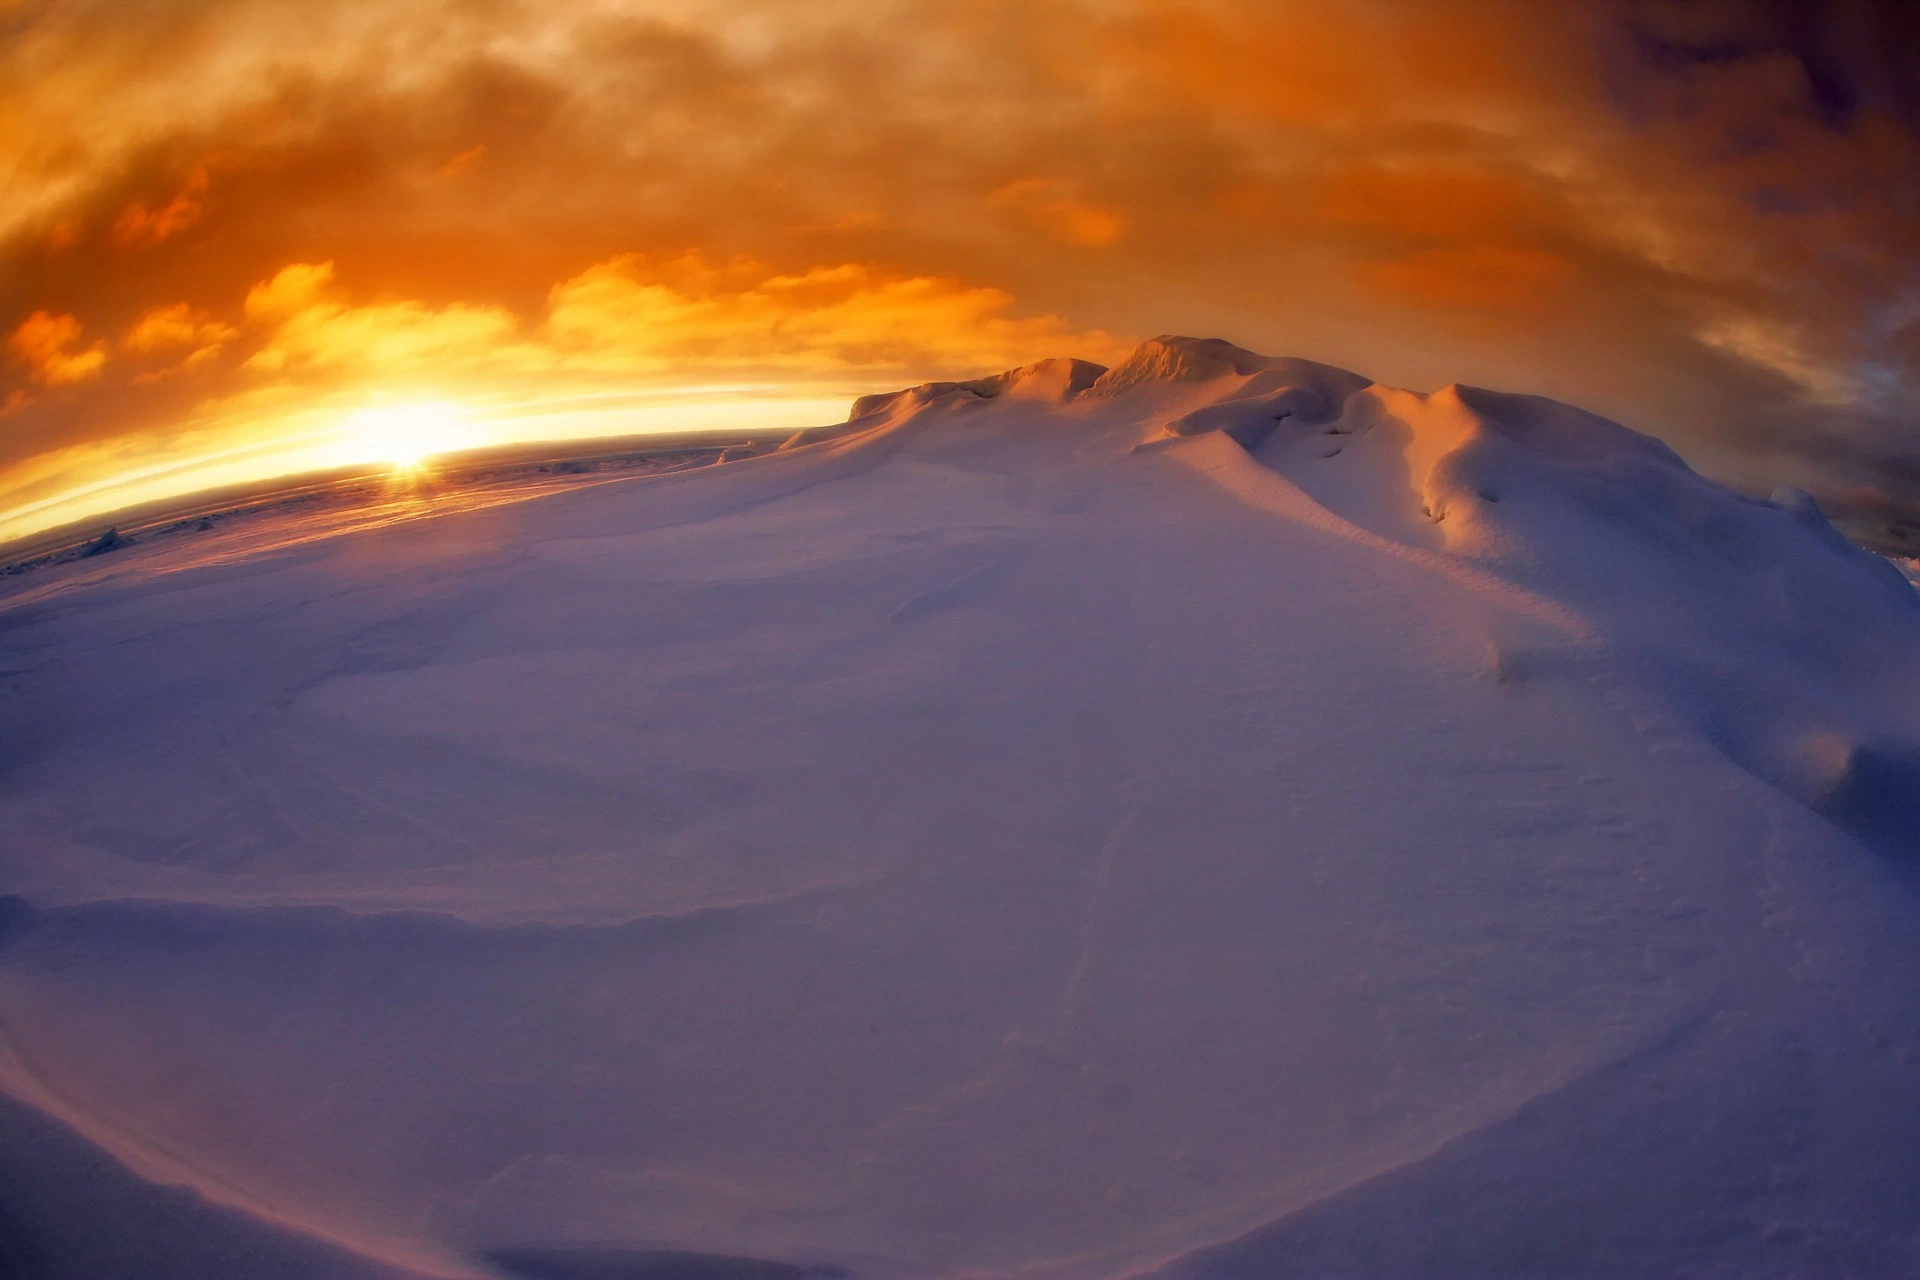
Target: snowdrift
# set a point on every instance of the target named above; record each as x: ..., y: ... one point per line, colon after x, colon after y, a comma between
x: 1210, y: 817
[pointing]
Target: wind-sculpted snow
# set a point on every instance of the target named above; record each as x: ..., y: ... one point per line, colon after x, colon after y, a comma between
x: 1211, y: 817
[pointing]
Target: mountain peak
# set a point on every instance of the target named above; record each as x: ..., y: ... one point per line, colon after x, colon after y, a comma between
x: 1173, y: 358
x: 1055, y: 381
x: 1169, y: 359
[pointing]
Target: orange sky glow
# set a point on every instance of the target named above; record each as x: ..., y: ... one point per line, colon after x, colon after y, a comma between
x: 260, y: 237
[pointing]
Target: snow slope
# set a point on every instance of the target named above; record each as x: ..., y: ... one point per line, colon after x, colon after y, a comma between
x: 1211, y: 817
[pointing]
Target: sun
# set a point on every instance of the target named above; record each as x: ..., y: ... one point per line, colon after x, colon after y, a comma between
x: 405, y: 437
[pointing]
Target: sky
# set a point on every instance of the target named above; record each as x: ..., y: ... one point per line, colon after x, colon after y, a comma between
x: 254, y: 237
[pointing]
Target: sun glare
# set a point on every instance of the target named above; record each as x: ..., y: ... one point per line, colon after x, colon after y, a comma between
x: 405, y: 437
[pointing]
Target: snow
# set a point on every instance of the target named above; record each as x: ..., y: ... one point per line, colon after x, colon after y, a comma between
x: 1213, y: 817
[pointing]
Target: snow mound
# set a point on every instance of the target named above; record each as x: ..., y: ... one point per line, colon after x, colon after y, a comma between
x: 1170, y: 359
x: 1217, y: 816
x: 1054, y: 381
x: 1742, y: 609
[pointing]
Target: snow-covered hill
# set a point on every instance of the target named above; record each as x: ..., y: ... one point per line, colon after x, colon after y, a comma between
x: 1215, y: 817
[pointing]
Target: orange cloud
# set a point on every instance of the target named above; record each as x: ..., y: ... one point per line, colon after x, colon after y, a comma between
x: 636, y: 316
x: 388, y: 337
x: 45, y: 344
x: 632, y: 311
x: 175, y: 328
x: 1487, y: 279
x: 1440, y: 205
x: 178, y: 325
x: 1050, y: 206
x: 290, y: 290
x: 1406, y: 189
x: 462, y: 161
x: 142, y: 227
x: 1351, y: 64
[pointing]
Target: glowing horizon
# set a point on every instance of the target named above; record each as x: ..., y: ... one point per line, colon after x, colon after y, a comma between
x: 385, y: 430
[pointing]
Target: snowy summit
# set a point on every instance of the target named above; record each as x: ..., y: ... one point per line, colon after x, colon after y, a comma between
x: 1211, y: 817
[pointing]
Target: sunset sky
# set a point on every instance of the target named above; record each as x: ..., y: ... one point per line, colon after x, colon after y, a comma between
x: 241, y: 239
